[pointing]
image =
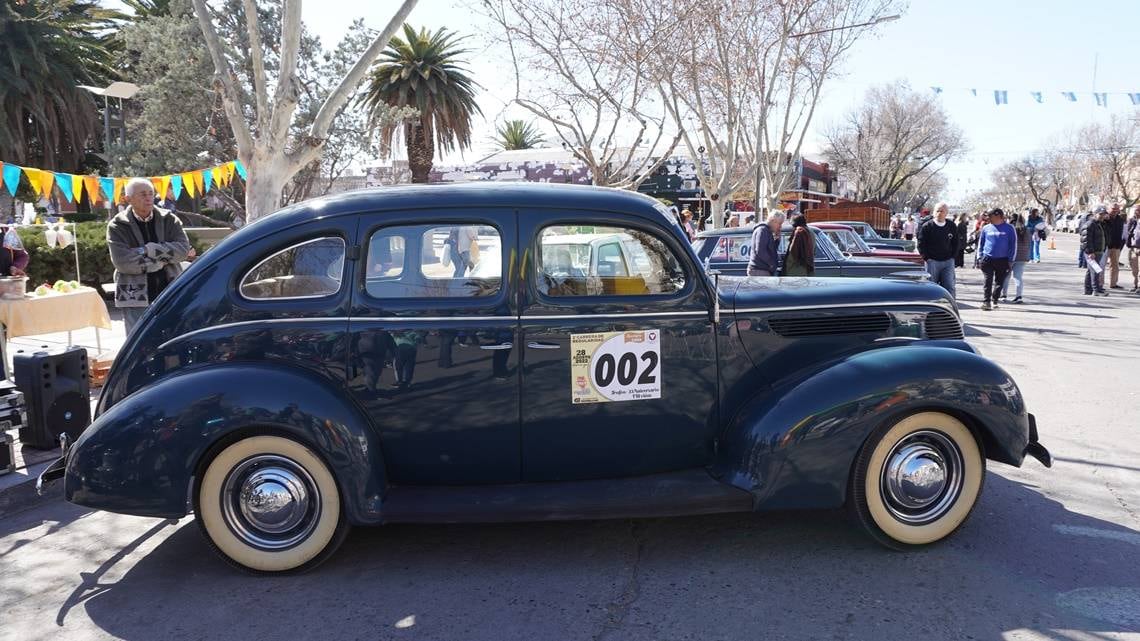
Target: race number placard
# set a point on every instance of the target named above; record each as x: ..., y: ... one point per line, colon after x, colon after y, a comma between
x: 615, y: 366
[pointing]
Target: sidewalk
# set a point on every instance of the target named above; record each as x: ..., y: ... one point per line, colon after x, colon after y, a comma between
x: 17, y: 490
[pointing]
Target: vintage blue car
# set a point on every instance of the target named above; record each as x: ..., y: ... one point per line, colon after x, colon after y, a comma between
x: 419, y: 354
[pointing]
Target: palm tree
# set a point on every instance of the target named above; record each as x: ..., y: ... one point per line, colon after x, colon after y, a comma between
x: 423, y: 70
x: 47, y: 49
x: 517, y: 134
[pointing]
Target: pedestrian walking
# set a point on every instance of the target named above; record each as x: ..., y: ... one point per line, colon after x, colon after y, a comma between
x: 963, y: 233
x: 1094, y: 248
x: 1114, y: 228
x: 997, y: 247
x: 687, y: 223
x: 147, y: 246
x: 1133, y: 240
x: 764, y: 257
x: 909, y: 227
x: 894, y: 227
x: 938, y: 244
x: 800, y: 259
x: 1035, y: 235
x: 1024, y: 242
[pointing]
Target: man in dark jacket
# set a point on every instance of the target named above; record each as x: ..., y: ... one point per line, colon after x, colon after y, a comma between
x: 764, y: 259
x: 1093, y: 247
x: 1114, y: 225
x: 1132, y: 239
x: 938, y: 244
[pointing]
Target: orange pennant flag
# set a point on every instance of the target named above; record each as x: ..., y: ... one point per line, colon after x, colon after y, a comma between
x: 77, y: 187
x: 188, y: 184
x: 199, y: 182
x: 33, y: 179
x: 47, y: 183
x: 119, y: 184
x: 164, y: 187
x: 157, y: 182
x: 92, y: 185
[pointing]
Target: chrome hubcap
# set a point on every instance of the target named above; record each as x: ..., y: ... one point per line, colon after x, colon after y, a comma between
x: 922, y: 477
x: 270, y: 502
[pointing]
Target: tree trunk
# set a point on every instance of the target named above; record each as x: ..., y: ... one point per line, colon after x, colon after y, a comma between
x: 421, y: 150
x: 266, y: 182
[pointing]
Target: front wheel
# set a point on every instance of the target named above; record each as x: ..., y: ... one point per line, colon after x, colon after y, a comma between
x: 270, y: 504
x: 916, y: 481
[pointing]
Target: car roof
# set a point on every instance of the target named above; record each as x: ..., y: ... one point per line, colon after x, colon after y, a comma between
x: 577, y: 239
x: 832, y: 226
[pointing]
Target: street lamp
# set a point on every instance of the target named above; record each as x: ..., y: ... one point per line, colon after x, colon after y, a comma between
x: 118, y: 90
x: 876, y: 21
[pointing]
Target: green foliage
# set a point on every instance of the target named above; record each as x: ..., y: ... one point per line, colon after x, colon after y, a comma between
x: 47, y: 49
x: 518, y: 134
x: 47, y: 265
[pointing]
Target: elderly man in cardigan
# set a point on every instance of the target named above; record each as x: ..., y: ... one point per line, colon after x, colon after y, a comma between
x: 147, y: 247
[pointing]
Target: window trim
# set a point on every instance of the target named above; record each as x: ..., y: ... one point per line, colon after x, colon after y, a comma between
x: 366, y: 247
x: 340, y: 282
x: 535, y: 247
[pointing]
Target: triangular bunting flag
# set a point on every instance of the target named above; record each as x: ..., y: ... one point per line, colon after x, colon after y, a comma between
x: 199, y: 187
x: 156, y: 182
x: 240, y: 169
x: 76, y: 187
x: 164, y: 187
x: 1036, y: 95
x: 188, y: 183
x: 91, y: 183
x: 936, y: 90
x: 1070, y: 95
x: 42, y: 181
x: 108, y: 187
x: 176, y: 185
x: 120, y: 184
x: 207, y: 179
x: 1001, y: 97
x: 975, y: 92
x: 12, y: 178
x: 1101, y: 99
x: 219, y: 175
x: 1135, y: 98
x: 63, y: 181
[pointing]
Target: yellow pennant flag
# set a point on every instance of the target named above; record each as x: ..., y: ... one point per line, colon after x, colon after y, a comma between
x: 165, y: 183
x: 188, y: 184
x: 156, y: 181
x: 216, y: 172
x: 47, y: 183
x: 199, y: 182
x: 33, y: 179
x: 230, y: 169
x: 119, y: 184
x: 92, y: 185
x: 77, y: 187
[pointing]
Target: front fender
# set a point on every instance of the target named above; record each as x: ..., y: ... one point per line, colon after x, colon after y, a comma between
x: 794, y: 445
x: 141, y: 456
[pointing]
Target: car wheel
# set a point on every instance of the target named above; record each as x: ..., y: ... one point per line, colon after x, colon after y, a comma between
x: 270, y: 504
x: 916, y: 480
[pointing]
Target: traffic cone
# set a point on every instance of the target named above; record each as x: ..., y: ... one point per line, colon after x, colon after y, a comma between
x: 1052, y: 243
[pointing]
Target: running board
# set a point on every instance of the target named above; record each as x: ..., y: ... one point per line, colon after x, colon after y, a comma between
x: 672, y: 494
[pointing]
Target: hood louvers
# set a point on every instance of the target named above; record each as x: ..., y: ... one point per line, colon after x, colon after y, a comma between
x: 944, y: 326
x: 831, y: 325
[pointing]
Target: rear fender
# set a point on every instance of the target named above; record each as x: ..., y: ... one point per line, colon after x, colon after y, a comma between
x: 141, y: 456
x: 794, y: 445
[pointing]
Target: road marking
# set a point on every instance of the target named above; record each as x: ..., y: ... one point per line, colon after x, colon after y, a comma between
x: 1113, y: 605
x: 1081, y: 530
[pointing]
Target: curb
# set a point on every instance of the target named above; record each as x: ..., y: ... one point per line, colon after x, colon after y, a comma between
x: 21, y: 495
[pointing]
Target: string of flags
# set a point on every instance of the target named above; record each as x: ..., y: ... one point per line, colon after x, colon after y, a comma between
x: 72, y: 186
x: 1001, y: 96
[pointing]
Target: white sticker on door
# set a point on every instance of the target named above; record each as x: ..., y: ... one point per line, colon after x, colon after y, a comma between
x: 615, y: 366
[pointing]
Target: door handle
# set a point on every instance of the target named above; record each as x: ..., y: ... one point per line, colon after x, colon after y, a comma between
x: 497, y: 347
x: 537, y: 345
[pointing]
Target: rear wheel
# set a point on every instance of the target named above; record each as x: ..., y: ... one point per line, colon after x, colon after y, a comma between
x: 270, y: 504
x: 916, y: 481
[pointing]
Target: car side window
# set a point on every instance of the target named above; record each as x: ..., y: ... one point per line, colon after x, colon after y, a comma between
x: 311, y: 269
x: 820, y: 253
x: 605, y: 261
x: 434, y: 261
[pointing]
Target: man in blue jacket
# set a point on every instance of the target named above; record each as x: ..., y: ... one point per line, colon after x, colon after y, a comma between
x: 997, y: 247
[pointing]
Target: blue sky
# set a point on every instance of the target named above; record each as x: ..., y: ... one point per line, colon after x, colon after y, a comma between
x: 1014, y: 45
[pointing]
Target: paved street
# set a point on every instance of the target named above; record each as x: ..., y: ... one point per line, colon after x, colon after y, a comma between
x: 1048, y: 554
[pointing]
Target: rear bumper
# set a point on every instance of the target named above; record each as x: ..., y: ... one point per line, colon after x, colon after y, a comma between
x: 1034, y: 448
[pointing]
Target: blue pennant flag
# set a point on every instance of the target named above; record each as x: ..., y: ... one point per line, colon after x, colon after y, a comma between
x: 936, y: 90
x: 1036, y: 95
x: 12, y: 178
x: 1001, y: 97
x: 1101, y: 99
x: 975, y: 92
x: 63, y: 181
x: 1072, y: 96
x: 176, y: 185
x: 108, y: 187
x: 207, y: 180
x: 240, y: 169
x: 1135, y: 98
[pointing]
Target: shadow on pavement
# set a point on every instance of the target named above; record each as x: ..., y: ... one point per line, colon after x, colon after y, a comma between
x: 1022, y: 561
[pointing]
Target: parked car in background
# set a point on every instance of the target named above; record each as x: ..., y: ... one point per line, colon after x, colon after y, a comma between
x: 408, y: 355
x: 849, y: 242
x: 874, y: 240
x: 728, y: 250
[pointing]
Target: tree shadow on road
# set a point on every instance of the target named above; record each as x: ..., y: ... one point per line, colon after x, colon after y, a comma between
x: 1022, y: 561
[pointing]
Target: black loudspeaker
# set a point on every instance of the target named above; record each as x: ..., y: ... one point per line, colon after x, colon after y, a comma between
x: 56, y: 393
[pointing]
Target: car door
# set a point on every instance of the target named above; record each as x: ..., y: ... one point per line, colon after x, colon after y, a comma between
x: 433, y: 330
x: 619, y: 371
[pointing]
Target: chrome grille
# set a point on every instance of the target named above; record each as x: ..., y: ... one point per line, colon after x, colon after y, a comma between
x: 943, y: 325
x: 831, y: 325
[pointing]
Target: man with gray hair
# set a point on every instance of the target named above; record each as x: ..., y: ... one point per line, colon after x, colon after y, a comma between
x: 147, y: 247
x: 938, y: 244
x: 764, y: 257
